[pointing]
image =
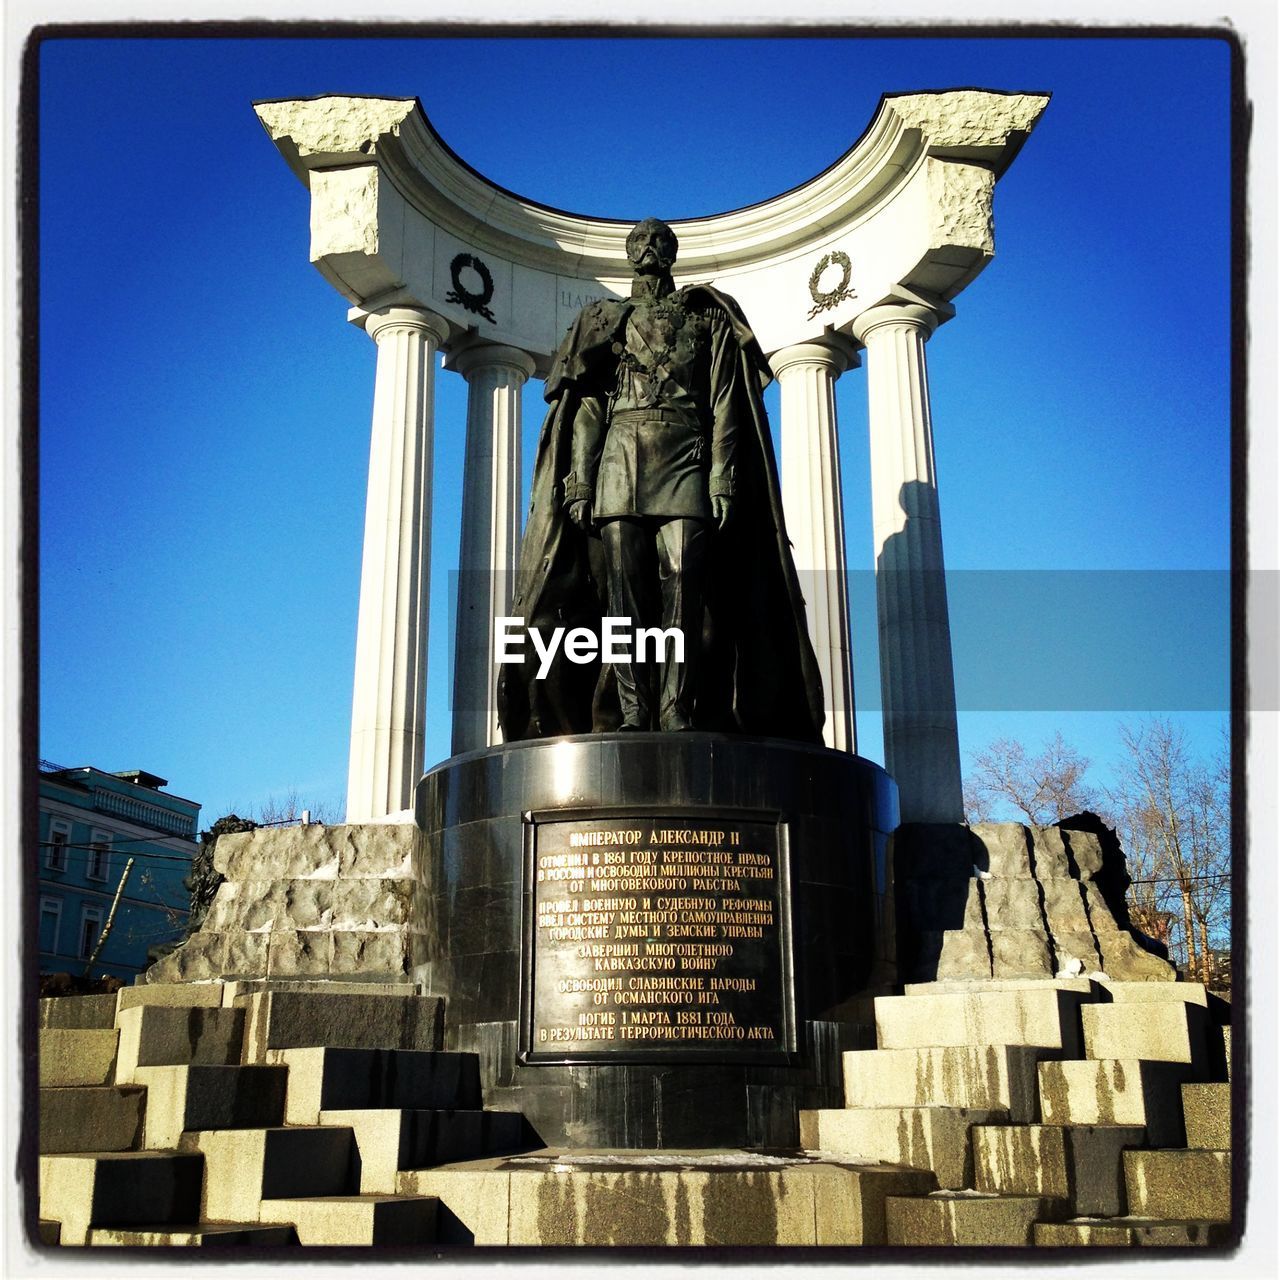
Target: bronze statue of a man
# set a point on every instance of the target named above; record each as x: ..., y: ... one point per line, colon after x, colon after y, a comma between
x: 655, y: 498
x: 652, y: 468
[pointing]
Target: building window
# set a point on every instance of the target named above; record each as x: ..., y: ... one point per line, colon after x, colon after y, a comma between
x: 55, y: 853
x: 99, y: 856
x: 90, y: 927
x: 50, y: 923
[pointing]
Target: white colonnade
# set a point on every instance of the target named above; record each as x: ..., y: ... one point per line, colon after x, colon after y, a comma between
x: 388, y: 711
x: 490, y: 546
x: 917, y: 685
x: 813, y: 506
x: 869, y: 252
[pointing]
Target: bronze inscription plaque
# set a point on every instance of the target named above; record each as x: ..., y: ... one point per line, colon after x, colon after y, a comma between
x: 657, y: 937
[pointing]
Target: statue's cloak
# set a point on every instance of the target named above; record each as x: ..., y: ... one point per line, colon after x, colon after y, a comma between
x: 758, y: 673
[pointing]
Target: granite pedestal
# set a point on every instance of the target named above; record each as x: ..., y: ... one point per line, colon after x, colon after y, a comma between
x: 513, y: 955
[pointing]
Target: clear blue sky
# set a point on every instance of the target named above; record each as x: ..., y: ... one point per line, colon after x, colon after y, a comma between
x: 205, y: 406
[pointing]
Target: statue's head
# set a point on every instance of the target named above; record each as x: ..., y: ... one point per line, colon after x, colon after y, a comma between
x: 652, y: 246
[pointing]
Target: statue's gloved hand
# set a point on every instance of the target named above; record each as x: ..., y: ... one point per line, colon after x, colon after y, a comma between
x: 580, y: 514
x: 722, y: 510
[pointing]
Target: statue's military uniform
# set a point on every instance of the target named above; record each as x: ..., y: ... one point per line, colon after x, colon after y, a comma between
x: 649, y: 458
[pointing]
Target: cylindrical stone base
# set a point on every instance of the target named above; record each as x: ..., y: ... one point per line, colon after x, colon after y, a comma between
x: 832, y: 812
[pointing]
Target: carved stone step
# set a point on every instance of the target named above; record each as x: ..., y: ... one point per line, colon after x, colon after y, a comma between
x: 164, y: 1035
x: 999, y: 1078
x: 933, y: 1138
x: 1119, y: 1091
x: 1206, y: 1112
x: 1131, y: 1233
x: 207, y: 1235
x: 1193, y: 1186
x: 1077, y: 1163
x: 967, y: 1218
x: 305, y: 1020
x: 1167, y: 1031
x: 84, y: 1013
x: 391, y: 1140
x: 76, y: 1056
x: 658, y: 1198
x: 243, y: 1167
x: 1044, y: 1017
x: 357, y: 1219
x: 361, y: 1079
x: 123, y: 1188
x: 198, y: 1096
x: 91, y: 1117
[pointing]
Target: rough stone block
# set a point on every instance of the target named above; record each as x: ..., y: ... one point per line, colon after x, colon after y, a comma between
x: 1185, y: 1185
x: 74, y: 1056
x: 188, y: 1098
x: 964, y: 953
x: 731, y: 1198
x: 1064, y: 907
x: 391, y: 1140
x: 1226, y: 1049
x: 1159, y: 1031
x: 932, y: 1138
x: 299, y: 954
x: 1206, y: 1112
x: 1046, y: 1017
x: 1013, y: 904
x: 90, y: 1118
x: 1054, y: 859
x: 209, y: 956
x: 951, y: 1218
x: 360, y: 1079
x: 1005, y: 852
x: 1081, y: 1164
x: 1130, y: 1233
x: 374, y: 951
x: 178, y: 995
x: 357, y: 1220
x: 1080, y: 947
x: 78, y: 1013
x: 1123, y: 958
x: 377, y: 850
x: 298, y: 1019
x: 1123, y: 1092
x: 1021, y: 953
x: 996, y: 1078
x: 243, y: 1167
x: 207, y: 1235
x: 950, y: 902
x: 932, y: 851
x: 162, y: 1035
x: 118, y: 1189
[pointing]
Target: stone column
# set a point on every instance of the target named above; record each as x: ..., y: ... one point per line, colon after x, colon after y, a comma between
x: 389, y: 705
x: 814, y: 511
x: 490, y: 531
x: 921, y: 742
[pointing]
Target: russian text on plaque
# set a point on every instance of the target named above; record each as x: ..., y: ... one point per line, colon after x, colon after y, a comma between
x: 656, y: 937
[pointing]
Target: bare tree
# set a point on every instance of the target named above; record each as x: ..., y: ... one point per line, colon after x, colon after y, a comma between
x: 280, y: 811
x: 1175, y: 821
x: 1040, y: 789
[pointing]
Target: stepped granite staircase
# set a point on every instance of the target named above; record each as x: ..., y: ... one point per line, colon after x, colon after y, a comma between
x: 1058, y: 1112
x: 240, y: 1114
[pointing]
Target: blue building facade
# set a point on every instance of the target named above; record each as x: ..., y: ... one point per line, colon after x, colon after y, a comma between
x: 91, y: 824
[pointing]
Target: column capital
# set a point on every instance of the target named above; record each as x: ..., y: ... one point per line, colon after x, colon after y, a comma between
x: 481, y: 355
x: 832, y: 351
x: 915, y: 315
x: 418, y: 320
